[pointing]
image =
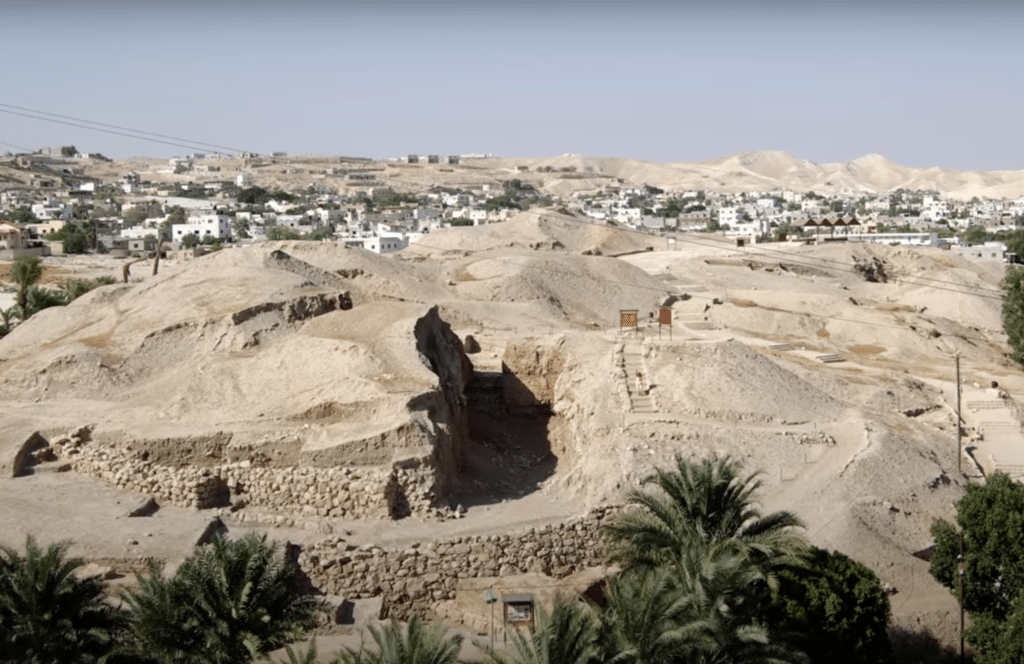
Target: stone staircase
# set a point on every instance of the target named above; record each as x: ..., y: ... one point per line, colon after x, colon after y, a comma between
x: 998, y: 437
x: 633, y: 372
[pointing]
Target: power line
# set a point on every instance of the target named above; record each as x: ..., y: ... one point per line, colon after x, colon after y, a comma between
x: 16, y: 147
x: 188, y: 146
x: 111, y: 126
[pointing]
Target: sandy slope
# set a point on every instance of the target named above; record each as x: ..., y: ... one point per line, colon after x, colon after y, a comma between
x: 861, y: 449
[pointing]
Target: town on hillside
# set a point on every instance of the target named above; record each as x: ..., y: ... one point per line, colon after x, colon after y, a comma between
x: 61, y: 201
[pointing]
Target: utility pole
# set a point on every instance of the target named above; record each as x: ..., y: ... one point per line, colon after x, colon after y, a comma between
x: 959, y: 434
x: 960, y: 565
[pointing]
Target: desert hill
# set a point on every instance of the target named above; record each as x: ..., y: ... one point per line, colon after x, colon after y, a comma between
x: 768, y: 170
x: 565, y: 175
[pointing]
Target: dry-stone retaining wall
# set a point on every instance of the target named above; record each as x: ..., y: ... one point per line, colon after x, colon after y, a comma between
x: 414, y: 579
x: 314, y: 492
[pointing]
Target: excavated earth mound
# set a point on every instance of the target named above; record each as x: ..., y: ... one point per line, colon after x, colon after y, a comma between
x: 545, y: 230
x: 344, y: 368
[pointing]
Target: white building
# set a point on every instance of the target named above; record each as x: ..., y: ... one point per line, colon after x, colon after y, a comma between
x: 456, y: 200
x: 140, y: 232
x: 990, y: 251
x: 729, y: 216
x: 385, y: 243
x: 217, y: 226
x: 629, y: 215
x: 934, y: 209
x: 913, y: 239
x: 44, y: 211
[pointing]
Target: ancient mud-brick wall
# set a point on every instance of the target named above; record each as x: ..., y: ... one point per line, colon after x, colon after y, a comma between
x: 412, y: 580
x: 317, y: 492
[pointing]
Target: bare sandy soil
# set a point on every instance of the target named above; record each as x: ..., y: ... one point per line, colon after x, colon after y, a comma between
x: 863, y: 448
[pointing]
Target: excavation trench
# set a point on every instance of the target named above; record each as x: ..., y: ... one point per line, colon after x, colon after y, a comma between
x: 510, y: 423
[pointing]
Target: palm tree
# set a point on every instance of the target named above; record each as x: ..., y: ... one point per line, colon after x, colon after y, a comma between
x: 26, y: 271
x: 644, y: 620
x: 419, y: 643
x: 710, y: 503
x: 230, y: 602
x: 40, y: 298
x: 702, y: 557
x: 297, y: 656
x: 47, y: 614
x: 6, y: 317
x: 567, y: 635
x: 658, y: 615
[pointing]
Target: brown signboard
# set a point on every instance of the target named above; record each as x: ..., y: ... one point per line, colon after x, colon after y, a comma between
x: 665, y: 316
x: 628, y: 318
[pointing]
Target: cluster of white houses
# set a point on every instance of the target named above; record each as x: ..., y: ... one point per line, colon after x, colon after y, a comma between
x: 752, y: 217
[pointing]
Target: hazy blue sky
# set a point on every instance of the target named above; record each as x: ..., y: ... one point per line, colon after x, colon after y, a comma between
x: 925, y: 84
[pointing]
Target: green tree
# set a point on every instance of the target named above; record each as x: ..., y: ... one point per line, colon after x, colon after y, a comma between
x: 6, y: 319
x: 135, y: 216
x: 688, y: 614
x: 568, y: 635
x: 23, y: 215
x: 26, y: 271
x: 47, y: 614
x: 240, y: 227
x: 282, y: 233
x: 418, y: 643
x: 75, y: 243
x: 645, y: 620
x: 297, y: 656
x: 999, y: 641
x: 76, y: 288
x: 790, y: 230
x: 991, y: 518
x: 1015, y: 242
x: 176, y: 215
x: 40, y: 298
x: 68, y: 151
x: 1013, y: 310
x: 974, y: 235
x: 834, y: 609
x: 190, y: 240
x: 230, y: 602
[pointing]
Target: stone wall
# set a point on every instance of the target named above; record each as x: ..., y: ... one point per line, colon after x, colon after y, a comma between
x: 353, y: 493
x: 415, y: 579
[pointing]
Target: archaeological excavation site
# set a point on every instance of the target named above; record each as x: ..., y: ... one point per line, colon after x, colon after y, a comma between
x: 465, y: 414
